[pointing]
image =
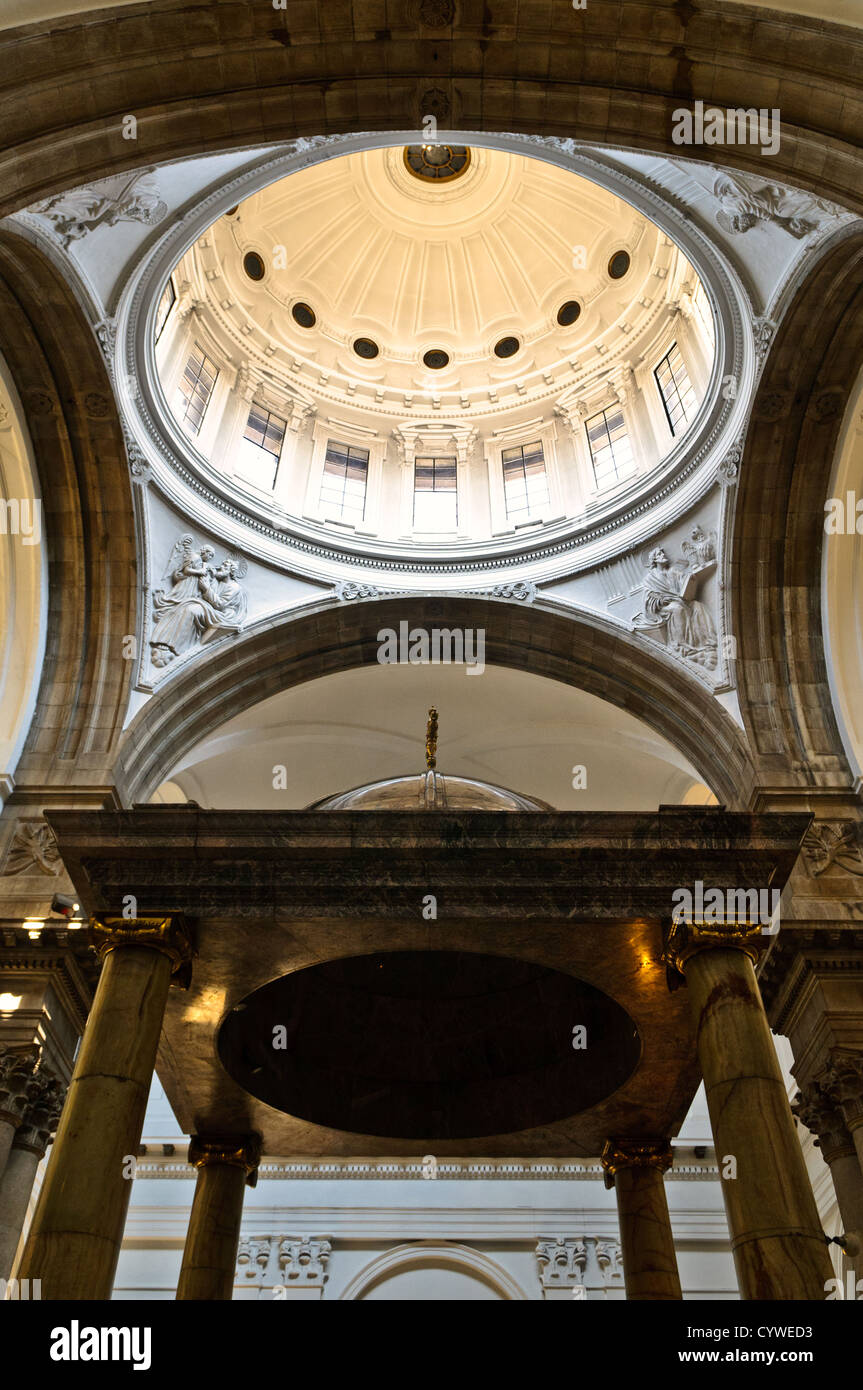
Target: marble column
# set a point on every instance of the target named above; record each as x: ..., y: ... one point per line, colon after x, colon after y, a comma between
x: 28, y: 1149
x: 634, y: 1168
x: 74, y: 1240
x: 824, y: 1118
x: 780, y: 1250
x: 17, y: 1065
x: 225, y: 1165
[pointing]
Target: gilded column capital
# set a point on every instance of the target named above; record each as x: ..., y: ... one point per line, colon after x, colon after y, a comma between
x: 169, y: 934
x: 635, y: 1153
x: 687, y: 939
x: 824, y: 1117
x: 234, y: 1150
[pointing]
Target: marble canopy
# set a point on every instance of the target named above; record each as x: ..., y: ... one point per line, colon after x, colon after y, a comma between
x: 583, y: 896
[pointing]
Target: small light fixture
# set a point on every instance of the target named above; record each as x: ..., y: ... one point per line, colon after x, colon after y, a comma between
x: 10, y: 1002
x: 64, y: 906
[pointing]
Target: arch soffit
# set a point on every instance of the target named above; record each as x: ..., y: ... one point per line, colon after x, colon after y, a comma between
x: 88, y: 521
x: 574, y: 649
x: 778, y: 532
x: 241, y: 75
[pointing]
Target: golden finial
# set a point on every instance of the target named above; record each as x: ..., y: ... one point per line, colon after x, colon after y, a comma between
x: 431, y: 740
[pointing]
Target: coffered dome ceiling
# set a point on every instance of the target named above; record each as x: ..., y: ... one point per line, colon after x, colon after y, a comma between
x: 455, y: 268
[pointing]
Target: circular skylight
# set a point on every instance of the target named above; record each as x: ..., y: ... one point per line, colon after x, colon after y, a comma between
x: 619, y: 265
x: 436, y: 359
x: 365, y: 347
x: 437, y: 163
x: 507, y: 347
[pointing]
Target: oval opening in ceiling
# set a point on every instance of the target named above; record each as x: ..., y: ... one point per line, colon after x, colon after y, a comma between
x: 568, y: 313
x: 619, y: 265
x: 365, y: 347
x: 436, y: 359
x: 304, y: 315
x: 254, y: 266
x: 507, y: 347
x: 429, y: 1045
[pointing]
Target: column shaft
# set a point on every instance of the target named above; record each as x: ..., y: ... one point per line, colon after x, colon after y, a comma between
x: 213, y: 1239
x: 647, y: 1244
x: 16, y: 1187
x: 7, y: 1135
x: 77, y: 1228
x: 779, y: 1247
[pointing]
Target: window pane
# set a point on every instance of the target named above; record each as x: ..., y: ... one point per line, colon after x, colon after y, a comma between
x: 610, y: 446
x: 196, y: 389
x: 166, y: 304
x: 435, y: 494
x: 525, y: 482
x: 676, y: 390
x: 261, y: 446
x: 344, y: 481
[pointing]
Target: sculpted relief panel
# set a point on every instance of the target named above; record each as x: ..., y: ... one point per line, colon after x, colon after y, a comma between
x: 202, y: 600
x: 670, y: 605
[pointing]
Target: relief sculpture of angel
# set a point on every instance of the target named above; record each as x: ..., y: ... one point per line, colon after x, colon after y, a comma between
x: 203, y: 602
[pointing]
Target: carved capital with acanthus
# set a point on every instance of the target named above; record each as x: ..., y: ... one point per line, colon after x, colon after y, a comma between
x: 45, y: 1097
x: 169, y: 934
x: 304, y: 1259
x: 842, y: 1082
x: 17, y: 1071
x: 824, y: 1117
x: 686, y: 939
x: 635, y: 1153
x: 232, y: 1150
x: 561, y: 1262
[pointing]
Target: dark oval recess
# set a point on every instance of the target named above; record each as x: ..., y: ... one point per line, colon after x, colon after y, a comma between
x: 254, y: 266
x: 304, y: 315
x: 428, y: 1045
x: 507, y: 347
x: 365, y: 347
x: 436, y: 358
x: 619, y: 265
x: 568, y: 313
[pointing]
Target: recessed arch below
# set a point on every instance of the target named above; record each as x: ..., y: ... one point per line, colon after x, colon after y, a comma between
x: 573, y: 648
x: 433, y: 1255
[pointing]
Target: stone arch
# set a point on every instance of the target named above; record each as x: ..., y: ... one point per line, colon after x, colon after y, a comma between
x: 434, y: 1255
x: 573, y: 648
x: 242, y: 73
x: 88, y: 523
x: 783, y: 685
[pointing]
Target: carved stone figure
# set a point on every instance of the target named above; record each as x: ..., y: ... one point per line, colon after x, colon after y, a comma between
x: 700, y: 549
x: 825, y: 845
x: 203, y: 602
x: 745, y: 201
x: 78, y: 211
x: 669, y: 604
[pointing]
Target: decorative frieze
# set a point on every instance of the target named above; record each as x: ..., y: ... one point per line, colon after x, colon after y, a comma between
x: 576, y: 1266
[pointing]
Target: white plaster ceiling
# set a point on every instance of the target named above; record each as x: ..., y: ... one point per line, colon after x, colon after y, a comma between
x: 14, y: 12
x: 378, y: 253
x: 508, y: 727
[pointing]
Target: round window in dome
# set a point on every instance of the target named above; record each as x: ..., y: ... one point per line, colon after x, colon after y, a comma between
x: 254, y: 266
x: 619, y: 265
x: 507, y: 347
x: 436, y: 359
x: 304, y: 315
x: 568, y: 313
x: 365, y: 347
x: 437, y: 163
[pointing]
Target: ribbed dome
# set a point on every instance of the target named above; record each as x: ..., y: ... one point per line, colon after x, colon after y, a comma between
x: 430, y: 791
